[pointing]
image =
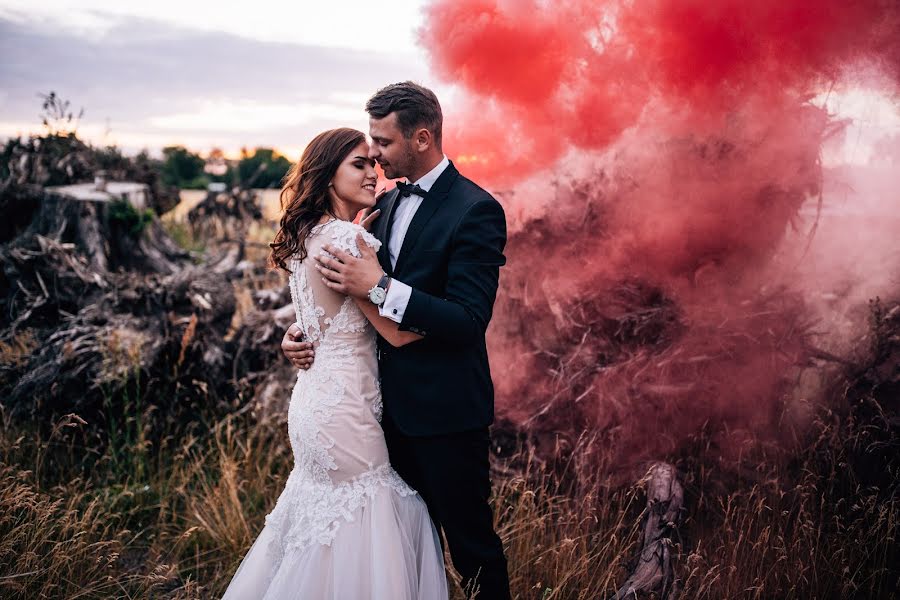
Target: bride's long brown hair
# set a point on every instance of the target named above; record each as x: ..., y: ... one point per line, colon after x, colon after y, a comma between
x: 304, y: 193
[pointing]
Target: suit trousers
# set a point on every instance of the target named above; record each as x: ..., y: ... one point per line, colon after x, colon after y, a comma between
x: 452, y: 474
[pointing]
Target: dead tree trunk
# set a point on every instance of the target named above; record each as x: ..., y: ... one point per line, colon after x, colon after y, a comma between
x: 653, y: 572
x: 108, y: 229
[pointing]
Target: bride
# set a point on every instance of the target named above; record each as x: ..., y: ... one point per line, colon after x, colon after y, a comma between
x: 346, y: 526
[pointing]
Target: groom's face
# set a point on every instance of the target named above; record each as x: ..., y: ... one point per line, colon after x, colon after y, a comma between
x: 390, y: 148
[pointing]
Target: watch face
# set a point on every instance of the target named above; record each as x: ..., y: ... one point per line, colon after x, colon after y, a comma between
x: 377, y: 295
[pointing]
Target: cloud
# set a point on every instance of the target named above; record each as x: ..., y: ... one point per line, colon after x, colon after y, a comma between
x: 158, y: 80
x: 348, y: 24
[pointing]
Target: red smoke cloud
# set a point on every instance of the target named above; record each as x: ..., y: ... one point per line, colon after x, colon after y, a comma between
x: 655, y: 154
x: 544, y: 76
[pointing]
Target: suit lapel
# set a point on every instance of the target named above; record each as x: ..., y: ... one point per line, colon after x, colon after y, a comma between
x: 383, y: 229
x: 426, y: 210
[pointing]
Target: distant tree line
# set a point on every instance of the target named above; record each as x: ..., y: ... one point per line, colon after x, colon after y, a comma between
x: 57, y: 156
x: 263, y: 168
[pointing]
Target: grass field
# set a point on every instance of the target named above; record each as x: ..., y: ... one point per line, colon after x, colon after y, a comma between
x: 174, y: 521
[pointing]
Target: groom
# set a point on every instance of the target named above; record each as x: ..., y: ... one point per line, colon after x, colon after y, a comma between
x: 442, y: 249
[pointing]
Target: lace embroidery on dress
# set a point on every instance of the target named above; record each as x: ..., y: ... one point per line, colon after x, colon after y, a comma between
x: 347, y: 320
x: 308, y: 314
x: 313, y: 512
x: 312, y: 506
x: 378, y: 405
x: 344, y: 237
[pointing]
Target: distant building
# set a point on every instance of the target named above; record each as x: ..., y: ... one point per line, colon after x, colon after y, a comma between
x: 216, y: 163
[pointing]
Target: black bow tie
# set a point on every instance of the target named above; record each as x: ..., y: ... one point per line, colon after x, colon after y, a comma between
x: 407, y: 189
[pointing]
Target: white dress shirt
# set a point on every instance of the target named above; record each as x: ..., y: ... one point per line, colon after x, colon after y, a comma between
x: 394, y: 306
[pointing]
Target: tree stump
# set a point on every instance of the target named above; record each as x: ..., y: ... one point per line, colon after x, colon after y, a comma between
x: 113, y: 226
x: 653, y: 572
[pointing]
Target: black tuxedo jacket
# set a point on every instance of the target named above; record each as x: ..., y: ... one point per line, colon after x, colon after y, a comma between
x: 451, y: 257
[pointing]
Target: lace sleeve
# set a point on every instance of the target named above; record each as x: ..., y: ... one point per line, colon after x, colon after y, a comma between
x: 343, y: 235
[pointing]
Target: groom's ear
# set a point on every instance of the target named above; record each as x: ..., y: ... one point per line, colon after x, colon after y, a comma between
x: 423, y: 139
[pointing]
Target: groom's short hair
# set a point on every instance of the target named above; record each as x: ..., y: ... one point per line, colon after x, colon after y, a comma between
x: 416, y: 106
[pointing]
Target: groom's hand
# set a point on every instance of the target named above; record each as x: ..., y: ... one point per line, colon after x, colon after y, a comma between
x: 300, y: 353
x: 347, y: 274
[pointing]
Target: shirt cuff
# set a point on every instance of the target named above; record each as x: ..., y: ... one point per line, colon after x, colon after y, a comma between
x: 395, y: 303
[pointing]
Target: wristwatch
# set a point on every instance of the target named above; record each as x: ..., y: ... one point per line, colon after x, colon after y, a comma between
x: 378, y: 293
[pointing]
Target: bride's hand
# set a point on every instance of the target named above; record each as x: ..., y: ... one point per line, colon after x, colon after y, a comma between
x: 370, y: 214
x: 366, y: 221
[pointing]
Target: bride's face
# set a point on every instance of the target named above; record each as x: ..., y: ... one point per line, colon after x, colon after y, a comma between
x: 353, y: 186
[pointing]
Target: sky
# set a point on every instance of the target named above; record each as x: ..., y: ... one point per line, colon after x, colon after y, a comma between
x: 231, y: 75
x: 204, y: 74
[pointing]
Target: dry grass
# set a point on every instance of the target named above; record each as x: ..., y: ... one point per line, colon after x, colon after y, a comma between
x: 131, y: 519
x: 178, y: 532
x: 20, y: 347
x: 181, y: 531
x: 563, y: 546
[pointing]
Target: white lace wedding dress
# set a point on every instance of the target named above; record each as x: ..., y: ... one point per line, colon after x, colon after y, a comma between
x: 346, y: 525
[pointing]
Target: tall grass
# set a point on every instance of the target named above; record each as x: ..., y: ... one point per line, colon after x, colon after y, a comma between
x: 179, y: 528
